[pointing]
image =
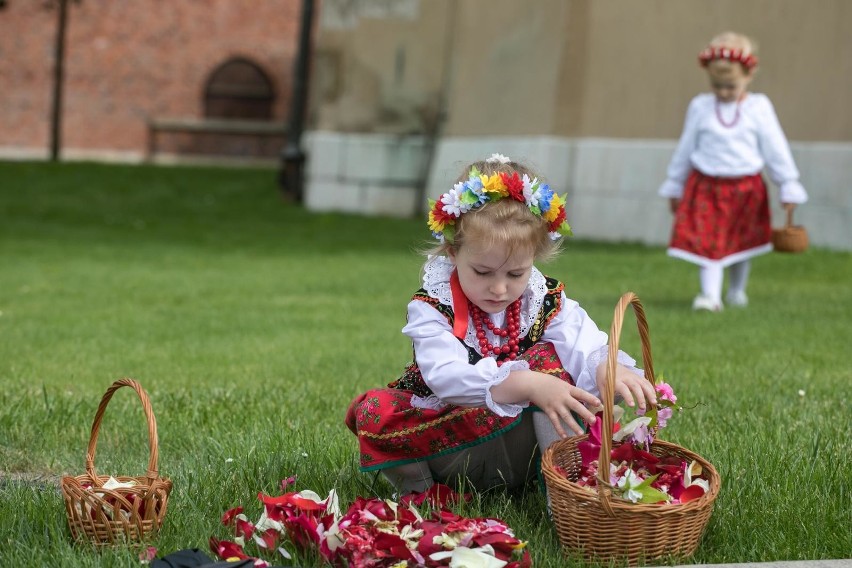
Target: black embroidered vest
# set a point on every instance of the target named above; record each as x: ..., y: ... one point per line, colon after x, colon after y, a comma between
x: 411, y: 378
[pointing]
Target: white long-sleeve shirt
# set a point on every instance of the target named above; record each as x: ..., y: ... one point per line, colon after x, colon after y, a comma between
x: 443, y: 360
x: 756, y: 140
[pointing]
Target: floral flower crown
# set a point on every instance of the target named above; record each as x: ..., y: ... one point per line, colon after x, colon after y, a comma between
x: 480, y: 189
x: 711, y: 53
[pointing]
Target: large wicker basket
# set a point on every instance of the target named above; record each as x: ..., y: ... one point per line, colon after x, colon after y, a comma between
x: 602, y: 527
x: 123, y: 514
x: 790, y: 237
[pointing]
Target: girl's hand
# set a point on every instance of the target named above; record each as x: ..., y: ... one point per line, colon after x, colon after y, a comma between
x: 632, y: 387
x: 556, y: 398
x: 789, y: 207
x: 674, y: 202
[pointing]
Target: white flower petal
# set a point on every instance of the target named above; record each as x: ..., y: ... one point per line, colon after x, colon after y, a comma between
x: 483, y: 557
x: 498, y: 158
x: 264, y: 523
x: 631, y: 427
x: 113, y: 483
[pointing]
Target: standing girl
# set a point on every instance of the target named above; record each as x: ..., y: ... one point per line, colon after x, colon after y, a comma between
x: 714, y: 184
x: 492, y: 337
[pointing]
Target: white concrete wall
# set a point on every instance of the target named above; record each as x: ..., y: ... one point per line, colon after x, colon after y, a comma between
x: 611, y: 183
x: 363, y: 173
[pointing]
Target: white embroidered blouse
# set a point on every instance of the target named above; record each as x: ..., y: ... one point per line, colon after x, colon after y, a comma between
x: 443, y: 360
x: 750, y: 139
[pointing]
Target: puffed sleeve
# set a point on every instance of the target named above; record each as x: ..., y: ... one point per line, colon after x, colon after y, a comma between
x: 680, y: 165
x: 443, y: 362
x: 777, y: 155
x: 581, y: 346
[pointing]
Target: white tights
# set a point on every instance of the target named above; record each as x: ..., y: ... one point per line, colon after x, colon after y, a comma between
x: 712, y: 276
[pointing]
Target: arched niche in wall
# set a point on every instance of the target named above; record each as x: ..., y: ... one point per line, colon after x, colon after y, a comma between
x: 239, y: 89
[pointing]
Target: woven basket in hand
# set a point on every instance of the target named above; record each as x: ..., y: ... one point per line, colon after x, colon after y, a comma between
x: 123, y: 514
x: 600, y: 526
x: 790, y: 237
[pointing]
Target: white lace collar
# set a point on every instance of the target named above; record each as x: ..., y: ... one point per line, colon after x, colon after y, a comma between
x: 436, y: 282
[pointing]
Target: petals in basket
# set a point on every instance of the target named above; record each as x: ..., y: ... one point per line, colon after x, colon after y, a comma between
x: 586, y: 519
x: 107, y: 510
x: 589, y: 451
x: 590, y: 447
x: 637, y: 429
x: 669, y: 464
x: 691, y: 482
x: 692, y: 492
x: 641, y: 492
x: 629, y: 453
x: 629, y: 485
x: 113, y: 483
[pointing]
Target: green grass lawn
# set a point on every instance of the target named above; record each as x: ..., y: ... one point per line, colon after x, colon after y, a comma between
x: 252, y: 323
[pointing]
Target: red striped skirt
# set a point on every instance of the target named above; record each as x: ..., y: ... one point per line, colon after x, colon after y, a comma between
x: 393, y: 432
x: 721, y: 220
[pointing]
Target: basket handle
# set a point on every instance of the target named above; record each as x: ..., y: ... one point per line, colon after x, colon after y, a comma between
x: 608, y: 394
x: 789, y: 217
x: 152, y: 473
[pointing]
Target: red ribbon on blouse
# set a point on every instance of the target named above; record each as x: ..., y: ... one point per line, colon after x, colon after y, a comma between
x: 460, y: 307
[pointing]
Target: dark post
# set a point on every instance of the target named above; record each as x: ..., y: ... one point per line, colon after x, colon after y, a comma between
x: 290, y: 177
x: 58, y: 74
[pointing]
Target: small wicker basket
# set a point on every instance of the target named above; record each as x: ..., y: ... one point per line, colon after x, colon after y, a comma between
x: 603, y: 527
x: 790, y: 237
x: 123, y: 514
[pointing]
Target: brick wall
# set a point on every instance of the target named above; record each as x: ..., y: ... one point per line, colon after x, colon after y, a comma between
x: 130, y: 60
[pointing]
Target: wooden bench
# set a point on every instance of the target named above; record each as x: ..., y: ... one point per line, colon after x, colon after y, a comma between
x: 212, y: 126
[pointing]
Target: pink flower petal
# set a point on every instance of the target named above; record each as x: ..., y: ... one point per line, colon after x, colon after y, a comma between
x: 148, y: 554
x: 589, y: 451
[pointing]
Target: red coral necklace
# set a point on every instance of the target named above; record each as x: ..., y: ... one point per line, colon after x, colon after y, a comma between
x: 512, y: 330
x: 736, y: 118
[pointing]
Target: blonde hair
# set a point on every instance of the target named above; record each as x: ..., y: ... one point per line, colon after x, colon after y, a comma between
x: 733, y: 41
x: 505, y: 222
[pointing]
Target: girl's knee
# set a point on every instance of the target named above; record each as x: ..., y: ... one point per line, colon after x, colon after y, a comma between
x: 409, y: 478
x: 509, y: 460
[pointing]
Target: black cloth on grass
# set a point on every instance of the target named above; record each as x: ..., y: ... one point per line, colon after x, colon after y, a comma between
x: 194, y: 558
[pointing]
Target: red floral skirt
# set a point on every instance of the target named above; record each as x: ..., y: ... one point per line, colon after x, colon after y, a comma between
x: 392, y: 432
x: 721, y: 220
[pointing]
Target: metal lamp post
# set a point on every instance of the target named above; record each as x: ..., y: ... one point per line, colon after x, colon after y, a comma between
x: 290, y: 176
x: 58, y: 79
